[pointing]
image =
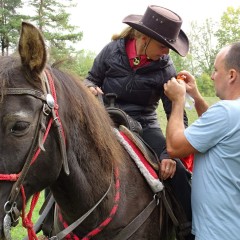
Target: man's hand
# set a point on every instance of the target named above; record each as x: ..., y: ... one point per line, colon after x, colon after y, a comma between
x: 191, y: 86
x: 175, y: 89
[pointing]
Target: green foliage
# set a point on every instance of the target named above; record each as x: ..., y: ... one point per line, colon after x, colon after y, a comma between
x: 52, y: 19
x: 181, y: 63
x: 202, y: 46
x: 77, y: 63
x: 206, y: 39
x: 229, y: 30
x: 83, y: 62
x: 205, y: 85
x: 10, y: 21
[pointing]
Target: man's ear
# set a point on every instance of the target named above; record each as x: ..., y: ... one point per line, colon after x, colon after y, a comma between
x: 232, y: 75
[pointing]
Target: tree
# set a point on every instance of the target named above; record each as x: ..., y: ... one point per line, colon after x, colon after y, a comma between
x: 10, y: 21
x: 53, y: 20
x: 79, y: 64
x: 181, y: 63
x: 83, y: 62
x: 229, y: 30
x: 203, y: 46
x: 205, y: 85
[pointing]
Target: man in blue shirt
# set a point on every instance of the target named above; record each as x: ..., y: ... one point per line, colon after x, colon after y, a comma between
x: 214, y: 138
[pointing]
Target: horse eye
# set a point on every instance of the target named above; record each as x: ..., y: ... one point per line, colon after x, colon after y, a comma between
x: 20, y: 128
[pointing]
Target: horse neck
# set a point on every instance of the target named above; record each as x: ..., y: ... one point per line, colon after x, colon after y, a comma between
x: 91, y: 151
x: 82, y: 189
x: 89, y: 178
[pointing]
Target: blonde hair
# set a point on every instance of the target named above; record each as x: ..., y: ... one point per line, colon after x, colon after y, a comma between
x: 127, y: 32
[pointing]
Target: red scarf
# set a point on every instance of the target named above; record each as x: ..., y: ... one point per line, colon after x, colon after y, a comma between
x: 135, y: 60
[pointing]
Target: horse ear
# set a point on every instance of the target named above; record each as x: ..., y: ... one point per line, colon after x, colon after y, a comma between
x: 32, y: 48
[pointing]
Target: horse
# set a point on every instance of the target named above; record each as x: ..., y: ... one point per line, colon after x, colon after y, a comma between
x: 55, y: 134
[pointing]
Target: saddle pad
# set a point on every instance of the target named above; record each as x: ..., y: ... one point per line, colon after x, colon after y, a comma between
x: 147, y: 152
x: 143, y: 165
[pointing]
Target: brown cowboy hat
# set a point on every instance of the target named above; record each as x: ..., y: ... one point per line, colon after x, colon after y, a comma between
x: 163, y: 25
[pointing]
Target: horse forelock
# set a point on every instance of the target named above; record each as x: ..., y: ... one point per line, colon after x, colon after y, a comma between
x: 13, y: 74
x: 89, y: 121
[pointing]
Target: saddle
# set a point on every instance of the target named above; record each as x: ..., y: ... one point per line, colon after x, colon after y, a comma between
x: 119, y: 117
x: 145, y: 149
x: 132, y: 129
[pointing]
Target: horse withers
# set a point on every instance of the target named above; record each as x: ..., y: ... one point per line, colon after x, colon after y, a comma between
x: 54, y: 133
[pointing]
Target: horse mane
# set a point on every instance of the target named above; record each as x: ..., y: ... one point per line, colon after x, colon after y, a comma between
x: 87, y: 116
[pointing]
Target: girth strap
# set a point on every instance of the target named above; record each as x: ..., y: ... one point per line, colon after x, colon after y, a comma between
x: 169, y: 209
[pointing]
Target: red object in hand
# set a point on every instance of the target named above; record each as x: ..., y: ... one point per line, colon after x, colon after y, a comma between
x: 181, y: 77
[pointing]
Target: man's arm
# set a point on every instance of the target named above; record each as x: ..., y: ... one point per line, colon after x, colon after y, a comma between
x: 201, y: 105
x: 177, y: 144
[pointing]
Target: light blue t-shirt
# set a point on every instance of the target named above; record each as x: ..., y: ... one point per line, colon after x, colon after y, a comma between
x: 216, y: 173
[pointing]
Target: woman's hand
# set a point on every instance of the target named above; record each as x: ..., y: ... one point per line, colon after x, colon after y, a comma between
x: 168, y: 168
x: 95, y: 90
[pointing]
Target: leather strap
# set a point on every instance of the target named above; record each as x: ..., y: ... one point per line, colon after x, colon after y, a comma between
x: 169, y: 209
x: 137, y: 222
x: 70, y: 228
x: 49, y: 84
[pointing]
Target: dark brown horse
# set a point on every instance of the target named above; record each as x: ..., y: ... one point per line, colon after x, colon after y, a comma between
x: 54, y: 133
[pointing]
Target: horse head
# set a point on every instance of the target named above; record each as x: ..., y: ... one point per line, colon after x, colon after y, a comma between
x: 25, y: 112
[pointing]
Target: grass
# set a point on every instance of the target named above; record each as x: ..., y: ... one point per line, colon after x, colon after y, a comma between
x: 192, y: 115
x: 18, y: 233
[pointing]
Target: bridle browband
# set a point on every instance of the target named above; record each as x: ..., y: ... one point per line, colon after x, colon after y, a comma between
x: 50, y: 108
